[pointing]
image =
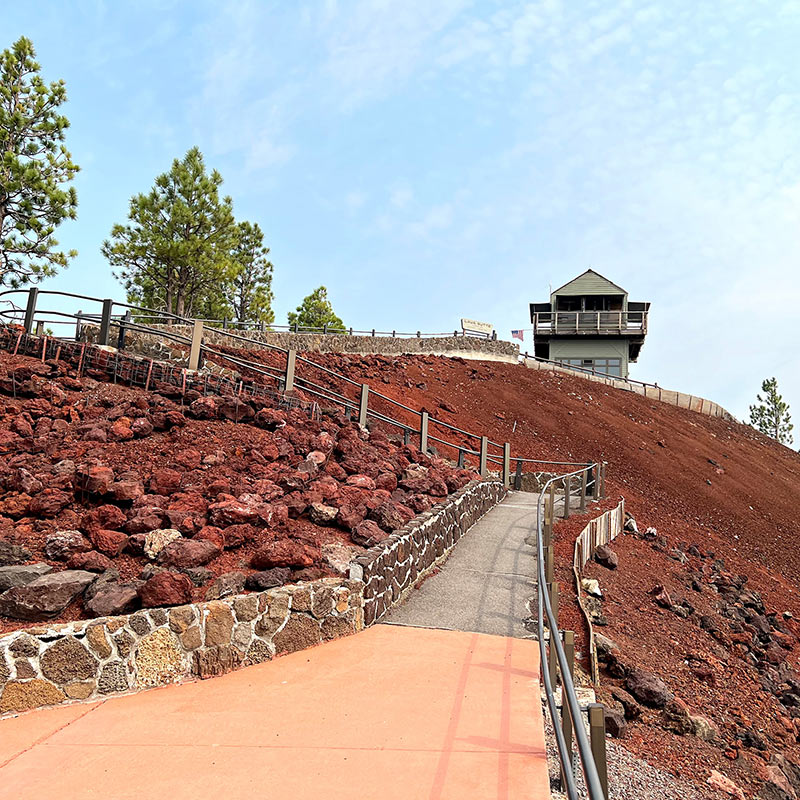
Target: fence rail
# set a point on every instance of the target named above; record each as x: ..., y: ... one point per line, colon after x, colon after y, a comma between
x: 293, y: 372
x: 589, y: 322
x: 557, y: 650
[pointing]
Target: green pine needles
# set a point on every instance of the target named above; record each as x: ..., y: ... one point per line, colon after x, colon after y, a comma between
x: 770, y: 414
x: 35, y: 170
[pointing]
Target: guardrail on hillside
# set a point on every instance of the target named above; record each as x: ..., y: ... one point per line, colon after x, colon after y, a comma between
x: 651, y: 391
x: 292, y: 372
x: 557, y: 657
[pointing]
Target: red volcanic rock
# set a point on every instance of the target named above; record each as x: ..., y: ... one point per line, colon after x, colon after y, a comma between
x: 111, y: 543
x: 22, y: 481
x: 204, y: 408
x: 145, y: 520
x: 232, y: 511
x: 60, y: 546
x: 127, y: 490
x: 387, y: 481
x: 95, y: 434
x: 317, y: 457
x: 361, y: 481
x: 92, y: 561
x: 368, y: 533
x: 115, y: 599
x: 187, y: 504
x: 335, y: 471
x: 237, y: 535
x: 141, y: 428
x: 15, y: 505
x: 283, y: 553
x: 105, y: 516
x: 267, y: 490
x: 166, y: 589
x: 391, y: 515
x: 349, y: 516
x: 120, y: 431
x: 218, y: 487
x: 270, y: 418
x: 212, y: 534
x: 165, y: 481
x: 420, y: 503
x: 235, y: 409
x: 295, y: 503
x: 280, y: 517
x: 189, y: 459
x: 184, y: 553
x: 96, y: 480
x: 49, y: 502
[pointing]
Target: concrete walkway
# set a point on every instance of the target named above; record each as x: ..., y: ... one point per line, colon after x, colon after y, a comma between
x: 488, y: 581
x: 396, y: 713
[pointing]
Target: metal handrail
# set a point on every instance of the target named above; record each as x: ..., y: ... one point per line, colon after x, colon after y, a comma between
x: 569, y: 698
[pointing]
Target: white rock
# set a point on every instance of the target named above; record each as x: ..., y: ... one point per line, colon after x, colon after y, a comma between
x: 591, y: 586
x: 156, y: 541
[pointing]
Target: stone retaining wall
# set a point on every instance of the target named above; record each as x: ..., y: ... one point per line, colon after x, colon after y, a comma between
x: 464, y: 346
x: 51, y: 664
x: 393, y: 567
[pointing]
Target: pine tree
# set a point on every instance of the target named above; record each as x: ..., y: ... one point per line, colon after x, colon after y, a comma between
x: 770, y: 414
x: 250, y: 293
x: 175, y: 252
x: 316, y: 312
x: 35, y: 168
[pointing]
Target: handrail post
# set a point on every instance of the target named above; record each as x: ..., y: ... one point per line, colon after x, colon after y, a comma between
x: 566, y: 718
x: 506, y: 465
x: 603, y: 480
x: 460, y: 462
x: 423, y: 432
x: 291, y: 358
x: 549, y: 566
x: 105, y: 322
x: 30, y: 309
x: 40, y: 327
x: 567, y: 498
x: 197, y: 343
x: 484, y: 455
x: 362, y: 406
x: 121, y: 336
x: 518, y: 475
x: 584, y: 480
x: 597, y: 736
x: 596, y: 482
x: 78, y: 325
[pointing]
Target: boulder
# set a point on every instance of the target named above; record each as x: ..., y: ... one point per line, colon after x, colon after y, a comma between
x: 49, y: 502
x: 19, y: 575
x: 704, y: 728
x: 92, y: 561
x: 648, y: 688
x: 361, y: 482
x: 199, y: 576
x: 616, y: 725
x: 235, y: 535
x: 632, y: 709
x: 267, y: 579
x: 61, y: 545
x: 140, y: 428
x: 204, y: 408
x: 105, y: 516
x: 127, y: 490
x: 44, y: 597
x: 183, y: 553
x: 349, y: 516
x: 230, y: 511
x: 321, y: 514
x: 96, y: 480
x: 676, y: 718
x: 227, y: 584
x: 389, y: 516
x: 165, y: 481
x: 606, y: 557
x: 166, y: 589
x: 155, y: 541
x: 13, y: 554
x: 213, y: 534
x: 110, y: 543
x: 117, y: 598
x: 368, y: 533
x: 282, y: 553
x: 661, y: 596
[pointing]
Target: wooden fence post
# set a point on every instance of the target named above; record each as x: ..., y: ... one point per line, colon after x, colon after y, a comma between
x: 567, y: 497
x: 484, y: 455
x: 597, y: 735
x: 603, y: 480
x: 197, y: 343
x: 291, y: 363
x: 506, y: 465
x: 362, y: 406
x: 423, y: 432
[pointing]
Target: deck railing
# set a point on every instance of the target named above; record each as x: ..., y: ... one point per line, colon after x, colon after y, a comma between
x: 589, y: 322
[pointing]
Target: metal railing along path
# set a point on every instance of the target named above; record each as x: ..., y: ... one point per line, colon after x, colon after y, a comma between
x: 557, y: 657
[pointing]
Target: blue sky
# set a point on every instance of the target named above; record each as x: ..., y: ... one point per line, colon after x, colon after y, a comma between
x: 433, y: 160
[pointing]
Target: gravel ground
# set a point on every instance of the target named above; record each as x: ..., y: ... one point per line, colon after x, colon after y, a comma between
x: 629, y: 778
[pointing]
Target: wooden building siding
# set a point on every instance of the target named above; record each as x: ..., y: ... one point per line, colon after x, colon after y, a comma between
x: 590, y: 283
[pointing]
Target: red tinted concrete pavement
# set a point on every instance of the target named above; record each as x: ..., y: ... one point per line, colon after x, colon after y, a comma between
x: 389, y: 713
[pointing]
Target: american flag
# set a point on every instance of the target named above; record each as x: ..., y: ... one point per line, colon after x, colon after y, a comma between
x: 518, y: 335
